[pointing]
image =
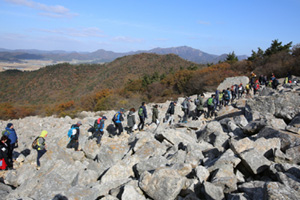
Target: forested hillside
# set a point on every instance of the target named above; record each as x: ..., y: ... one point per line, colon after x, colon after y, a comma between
x: 65, y: 89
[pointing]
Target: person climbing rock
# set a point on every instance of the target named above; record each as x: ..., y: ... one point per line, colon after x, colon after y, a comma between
x: 74, y: 137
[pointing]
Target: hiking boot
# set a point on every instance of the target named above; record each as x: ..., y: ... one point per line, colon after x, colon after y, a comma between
x: 38, y: 168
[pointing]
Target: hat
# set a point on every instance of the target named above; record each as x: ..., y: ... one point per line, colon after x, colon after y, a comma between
x: 122, y: 110
x: 44, y: 133
x: 104, y: 117
x: 79, y: 123
x: 9, y: 125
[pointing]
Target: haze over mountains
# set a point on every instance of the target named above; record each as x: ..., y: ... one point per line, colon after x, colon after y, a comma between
x: 101, y: 55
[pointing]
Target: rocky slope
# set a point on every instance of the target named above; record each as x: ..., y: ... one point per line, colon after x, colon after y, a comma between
x: 250, y: 151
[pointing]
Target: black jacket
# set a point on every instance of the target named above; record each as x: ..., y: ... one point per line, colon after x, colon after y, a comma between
x: 171, y: 109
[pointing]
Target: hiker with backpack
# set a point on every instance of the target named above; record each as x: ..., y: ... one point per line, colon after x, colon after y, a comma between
x: 99, y: 127
x: 117, y: 120
x: 226, y: 96
x: 4, y: 163
x: 170, y: 113
x: 40, y: 147
x: 155, y: 115
x: 186, y: 106
x: 275, y: 83
x: 256, y: 87
x: 142, y: 115
x: 199, y: 102
x: 12, y: 140
x: 131, y: 121
x: 211, y: 106
x: 240, y: 90
x: 73, y: 134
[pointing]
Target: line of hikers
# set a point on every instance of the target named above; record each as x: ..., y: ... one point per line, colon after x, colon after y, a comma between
x: 9, y: 139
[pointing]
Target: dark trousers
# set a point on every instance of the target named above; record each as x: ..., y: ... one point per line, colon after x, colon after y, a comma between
x: 211, y: 111
x: 98, y: 134
x: 199, y: 113
x: 186, y: 115
x: 39, y: 155
x: 119, y: 127
x: 10, y: 151
x: 142, y: 123
x: 73, y: 144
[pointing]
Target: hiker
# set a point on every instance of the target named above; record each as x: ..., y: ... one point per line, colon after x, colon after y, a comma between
x: 4, y: 163
x: 186, y: 106
x: 117, y: 119
x: 41, y: 147
x: 240, y: 91
x: 217, y: 98
x: 155, y: 114
x: 233, y: 92
x: 142, y: 115
x: 248, y: 95
x: 170, y: 113
x: 130, y: 121
x: 252, y: 80
x: 199, y: 106
x: 211, y: 106
x: 99, y: 126
x: 226, y: 96
x: 221, y: 99
x: 262, y: 80
x: 12, y: 140
x: 275, y: 83
x: 256, y: 87
x: 74, y: 137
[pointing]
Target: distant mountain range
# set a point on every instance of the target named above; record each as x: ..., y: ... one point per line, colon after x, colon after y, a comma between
x: 101, y: 55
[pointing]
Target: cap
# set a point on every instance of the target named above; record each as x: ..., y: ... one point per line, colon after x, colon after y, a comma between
x: 79, y: 123
x: 9, y: 125
x: 122, y: 110
x: 104, y: 117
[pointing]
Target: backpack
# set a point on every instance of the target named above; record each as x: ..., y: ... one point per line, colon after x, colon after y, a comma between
x: 226, y: 95
x: 210, y: 101
x: 141, y: 110
x: 5, y: 132
x: 70, y: 132
x: 184, y: 105
x: 97, y: 122
x: 34, y: 144
x: 115, y: 117
x: 197, y: 102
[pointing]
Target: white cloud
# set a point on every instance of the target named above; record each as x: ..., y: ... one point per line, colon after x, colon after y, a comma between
x: 56, y: 11
x: 76, y: 32
x: 127, y: 39
x: 203, y: 22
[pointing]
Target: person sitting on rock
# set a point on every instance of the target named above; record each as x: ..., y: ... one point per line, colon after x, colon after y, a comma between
x: 99, y: 127
x: 130, y: 121
x: 74, y: 138
x: 4, y: 163
x: 41, y: 147
x: 117, y: 120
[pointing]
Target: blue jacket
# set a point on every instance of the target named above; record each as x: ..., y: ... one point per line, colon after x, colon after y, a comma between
x: 12, y: 135
x: 144, y: 114
x: 100, y: 126
x: 118, y: 117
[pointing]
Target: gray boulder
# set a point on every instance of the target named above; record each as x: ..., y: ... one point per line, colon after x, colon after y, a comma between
x: 164, y: 183
x: 228, y: 82
x: 294, y: 125
x: 212, y: 191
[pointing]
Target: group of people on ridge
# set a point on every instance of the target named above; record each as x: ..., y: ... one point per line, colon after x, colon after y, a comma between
x: 9, y: 138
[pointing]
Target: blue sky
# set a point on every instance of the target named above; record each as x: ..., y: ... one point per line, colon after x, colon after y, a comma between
x: 213, y: 26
